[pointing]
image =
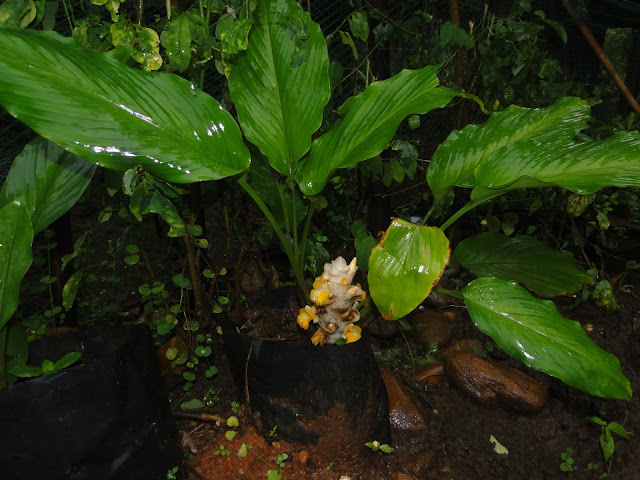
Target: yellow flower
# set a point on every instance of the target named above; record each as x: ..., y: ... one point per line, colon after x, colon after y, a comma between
x: 321, y: 296
x: 305, y: 315
x: 352, y: 333
x: 317, y: 337
x: 319, y: 282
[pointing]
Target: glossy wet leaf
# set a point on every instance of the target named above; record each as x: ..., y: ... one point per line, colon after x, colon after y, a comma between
x: 580, y: 167
x: 457, y: 158
x: 405, y: 265
x: 49, y: 179
x: 114, y: 115
x: 534, y: 332
x: 524, y: 260
x: 235, y: 39
x: 70, y: 289
x: 369, y: 123
x: 167, y: 210
x: 280, y: 84
x: 607, y: 444
x: 16, y: 237
x: 178, y: 42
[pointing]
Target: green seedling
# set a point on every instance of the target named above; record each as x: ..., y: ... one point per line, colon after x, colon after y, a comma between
x: 243, y: 450
x: 273, y: 475
x: 273, y: 432
x: 172, y: 473
x: 383, y: 447
x: 606, y: 438
x: 567, y: 461
x: 222, y: 451
x: 282, y: 459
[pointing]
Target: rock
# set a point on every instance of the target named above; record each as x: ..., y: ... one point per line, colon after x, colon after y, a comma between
x: 420, y: 463
x: 433, y: 327
x: 433, y: 373
x: 405, y: 413
x: 467, y: 345
x: 490, y: 382
x: 253, y: 279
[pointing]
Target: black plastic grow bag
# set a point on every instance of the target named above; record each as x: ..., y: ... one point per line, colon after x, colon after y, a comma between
x: 107, y: 418
x: 332, y: 395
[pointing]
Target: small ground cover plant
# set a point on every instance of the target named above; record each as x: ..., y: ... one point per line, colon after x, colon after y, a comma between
x: 606, y: 438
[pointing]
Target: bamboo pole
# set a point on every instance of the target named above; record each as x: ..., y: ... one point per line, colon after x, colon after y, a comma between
x: 606, y: 63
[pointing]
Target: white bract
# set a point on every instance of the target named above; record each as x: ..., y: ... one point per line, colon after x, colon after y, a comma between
x: 335, y: 301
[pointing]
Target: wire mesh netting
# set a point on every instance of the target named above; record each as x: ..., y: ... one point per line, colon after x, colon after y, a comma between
x: 614, y: 23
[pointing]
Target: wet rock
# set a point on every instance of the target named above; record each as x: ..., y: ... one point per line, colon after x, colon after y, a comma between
x: 420, y: 463
x: 467, y: 345
x: 433, y: 327
x: 405, y: 413
x: 490, y: 382
x: 432, y: 373
x: 253, y: 279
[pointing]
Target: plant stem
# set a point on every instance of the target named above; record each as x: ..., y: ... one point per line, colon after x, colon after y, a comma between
x: 451, y: 293
x: 285, y: 241
x: 469, y: 206
x: 199, y: 296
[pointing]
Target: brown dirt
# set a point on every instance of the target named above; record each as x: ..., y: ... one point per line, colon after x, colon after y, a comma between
x: 456, y: 444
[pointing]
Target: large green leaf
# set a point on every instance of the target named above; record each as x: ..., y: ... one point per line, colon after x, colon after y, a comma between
x: 522, y: 259
x: 370, y: 121
x: 457, y: 158
x: 405, y: 265
x: 580, y: 167
x: 280, y: 84
x: 535, y: 333
x: 113, y: 115
x: 16, y: 237
x: 49, y: 179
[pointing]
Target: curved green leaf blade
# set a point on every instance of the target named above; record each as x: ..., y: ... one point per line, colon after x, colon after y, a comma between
x: 280, y: 84
x: 405, y: 265
x: 113, y: 115
x: 16, y: 237
x: 164, y: 207
x: 370, y: 121
x: 49, y: 179
x: 535, y: 333
x: 582, y: 168
x: 524, y: 260
x: 458, y: 157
